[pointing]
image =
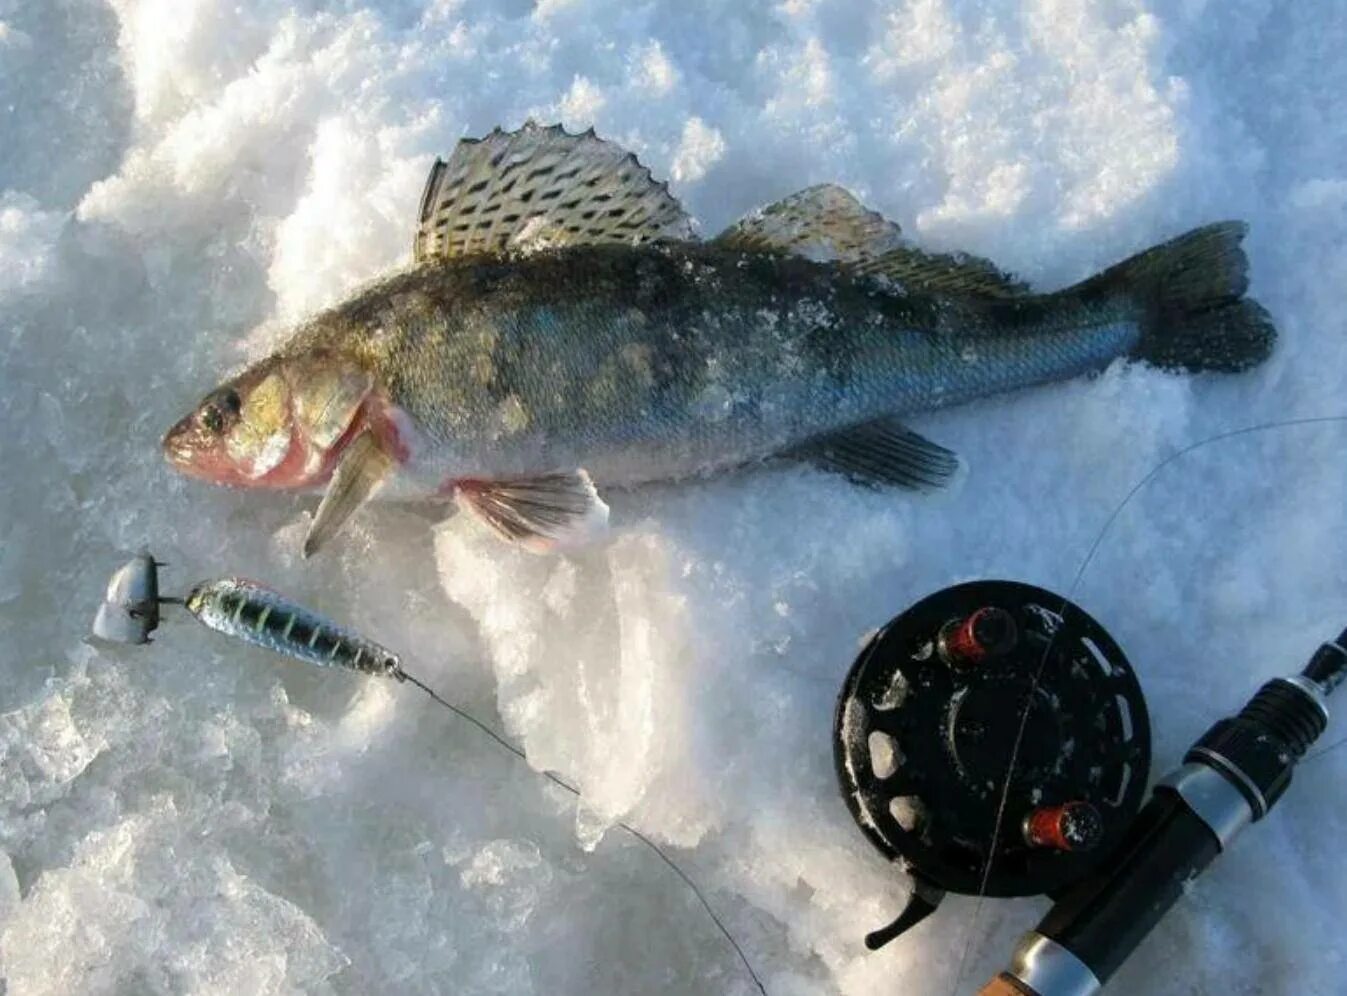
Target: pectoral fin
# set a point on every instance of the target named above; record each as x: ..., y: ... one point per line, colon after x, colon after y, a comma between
x: 539, y: 513
x: 363, y: 466
x: 882, y: 452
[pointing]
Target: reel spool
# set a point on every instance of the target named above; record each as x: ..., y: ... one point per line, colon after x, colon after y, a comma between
x: 927, y: 723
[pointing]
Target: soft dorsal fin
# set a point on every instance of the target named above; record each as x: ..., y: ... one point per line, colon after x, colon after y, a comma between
x: 539, y: 187
x: 826, y: 221
x: 943, y: 273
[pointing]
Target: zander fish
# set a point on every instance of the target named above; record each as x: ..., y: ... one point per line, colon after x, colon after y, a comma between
x: 561, y: 328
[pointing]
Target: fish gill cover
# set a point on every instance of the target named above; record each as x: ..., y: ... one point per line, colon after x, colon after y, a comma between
x: 178, y: 181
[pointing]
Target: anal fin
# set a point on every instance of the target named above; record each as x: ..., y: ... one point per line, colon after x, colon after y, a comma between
x: 363, y: 466
x: 883, y: 452
x: 540, y: 513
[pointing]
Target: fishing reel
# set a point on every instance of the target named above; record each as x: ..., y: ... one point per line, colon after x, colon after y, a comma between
x: 994, y: 739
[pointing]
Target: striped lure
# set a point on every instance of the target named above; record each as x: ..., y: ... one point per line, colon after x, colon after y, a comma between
x: 258, y: 615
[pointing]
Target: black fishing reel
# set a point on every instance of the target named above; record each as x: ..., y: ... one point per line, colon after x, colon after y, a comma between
x: 994, y: 738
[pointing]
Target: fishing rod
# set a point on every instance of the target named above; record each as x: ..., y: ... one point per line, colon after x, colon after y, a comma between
x: 1231, y: 777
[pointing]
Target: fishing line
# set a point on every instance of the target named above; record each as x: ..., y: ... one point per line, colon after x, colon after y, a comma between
x: 1327, y: 750
x: 562, y: 783
x: 1104, y: 531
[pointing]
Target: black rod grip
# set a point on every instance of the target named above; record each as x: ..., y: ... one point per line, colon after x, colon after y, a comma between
x: 1102, y: 919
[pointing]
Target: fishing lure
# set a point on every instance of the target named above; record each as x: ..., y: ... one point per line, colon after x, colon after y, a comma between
x: 130, y: 609
x: 264, y: 617
x: 242, y: 609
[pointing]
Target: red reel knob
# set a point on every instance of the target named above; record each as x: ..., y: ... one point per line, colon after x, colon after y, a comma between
x: 1072, y: 826
x: 988, y: 632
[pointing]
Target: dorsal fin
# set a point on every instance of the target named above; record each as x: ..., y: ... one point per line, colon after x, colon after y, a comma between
x: 538, y: 187
x: 943, y: 273
x: 827, y: 222
x: 822, y: 221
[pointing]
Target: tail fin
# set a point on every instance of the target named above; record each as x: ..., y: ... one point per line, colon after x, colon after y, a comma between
x: 1191, y: 289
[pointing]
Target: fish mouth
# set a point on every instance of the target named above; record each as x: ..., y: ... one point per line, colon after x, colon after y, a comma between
x: 179, y: 446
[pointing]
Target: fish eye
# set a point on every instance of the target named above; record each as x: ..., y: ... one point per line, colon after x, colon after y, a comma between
x: 223, y: 408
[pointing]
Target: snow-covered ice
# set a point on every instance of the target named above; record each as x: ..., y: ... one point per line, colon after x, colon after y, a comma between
x: 179, y: 179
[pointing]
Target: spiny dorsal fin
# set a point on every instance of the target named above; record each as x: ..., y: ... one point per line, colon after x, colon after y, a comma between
x: 539, y: 187
x: 827, y: 222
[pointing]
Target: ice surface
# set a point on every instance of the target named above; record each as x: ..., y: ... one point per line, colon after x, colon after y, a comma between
x: 181, y: 178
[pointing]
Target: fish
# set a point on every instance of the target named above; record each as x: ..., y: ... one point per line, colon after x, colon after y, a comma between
x: 257, y: 614
x: 561, y: 329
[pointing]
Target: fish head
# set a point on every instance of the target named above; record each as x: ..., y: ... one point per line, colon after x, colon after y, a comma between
x: 239, y: 434
x: 280, y: 424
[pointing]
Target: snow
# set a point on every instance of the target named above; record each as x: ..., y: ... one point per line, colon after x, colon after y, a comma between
x: 178, y: 181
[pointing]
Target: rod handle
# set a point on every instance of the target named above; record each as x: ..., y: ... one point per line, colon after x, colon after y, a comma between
x: 1005, y: 985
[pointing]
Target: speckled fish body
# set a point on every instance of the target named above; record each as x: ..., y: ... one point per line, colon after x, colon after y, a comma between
x: 661, y: 362
x: 563, y: 330
x: 258, y: 615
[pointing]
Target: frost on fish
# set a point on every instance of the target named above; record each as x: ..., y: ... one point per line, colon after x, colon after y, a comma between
x: 562, y: 332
